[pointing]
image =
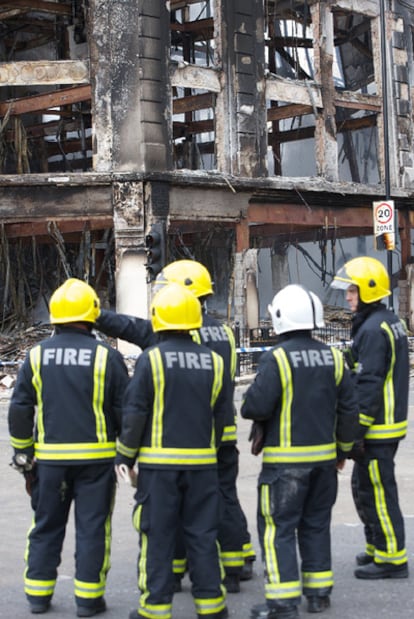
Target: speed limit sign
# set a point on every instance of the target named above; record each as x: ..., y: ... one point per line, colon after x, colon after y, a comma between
x: 384, y: 225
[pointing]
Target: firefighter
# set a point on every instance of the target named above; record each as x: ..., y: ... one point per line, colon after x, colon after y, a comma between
x: 173, y: 419
x: 75, y: 384
x: 237, y: 551
x: 379, y: 361
x: 303, y: 400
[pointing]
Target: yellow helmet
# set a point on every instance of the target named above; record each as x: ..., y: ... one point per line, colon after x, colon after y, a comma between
x: 189, y: 273
x: 74, y: 301
x: 175, y: 308
x: 369, y: 274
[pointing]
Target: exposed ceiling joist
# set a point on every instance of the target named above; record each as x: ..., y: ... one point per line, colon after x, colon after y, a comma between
x: 8, y: 8
x: 38, y: 103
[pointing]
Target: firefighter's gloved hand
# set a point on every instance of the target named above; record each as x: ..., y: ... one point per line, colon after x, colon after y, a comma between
x: 256, y: 437
x: 22, y: 462
x: 357, y: 452
x: 349, y: 360
x: 127, y: 475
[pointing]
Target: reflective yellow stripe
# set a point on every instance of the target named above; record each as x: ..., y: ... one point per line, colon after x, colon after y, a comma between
x: 177, y: 456
x: 218, y: 366
x: 287, y: 396
x: 317, y: 580
x: 39, y: 587
x: 381, y: 507
x: 179, y: 566
x: 99, y: 371
x: 283, y: 590
x: 397, y: 558
x: 20, y: 443
x: 209, y: 606
x: 154, y: 611
x: 393, y: 431
x: 35, y: 356
x: 232, y: 559
x: 304, y: 453
x: 106, y: 563
x: 344, y: 446
x: 233, y: 354
x: 248, y: 551
x: 365, y: 420
x: 158, y: 405
x: 339, y: 365
x: 388, y: 389
x: 89, y: 590
x: 196, y: 337
x: 129, y: 452
x: 370, y: 549
x: 143, y: 554
x: 272, y: 566
x: 75, y: 451
x: 229, y: 433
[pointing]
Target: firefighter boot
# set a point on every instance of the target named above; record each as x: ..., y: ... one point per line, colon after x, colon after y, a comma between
x: 375, y: 571
x: 98, y: 607
x: 363, y: 558
x: 232, y: 583
x: 263, y: 611
x: 223, y: 614
x: 317, y: 604
x: 247, y: 570
x: 38, y: 608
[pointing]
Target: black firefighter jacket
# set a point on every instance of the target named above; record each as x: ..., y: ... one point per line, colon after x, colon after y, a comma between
x: 212, y: 334
x: 174, y: 406
x: 304, y: 395
x: 380, y: 363
x: 75, y: 385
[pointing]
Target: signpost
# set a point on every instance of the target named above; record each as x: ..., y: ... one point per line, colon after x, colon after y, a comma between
x: 384, y: 224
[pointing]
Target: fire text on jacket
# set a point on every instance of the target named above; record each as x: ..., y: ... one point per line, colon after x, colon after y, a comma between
x: 67, y: 356
x: 213, y: 334
x: 311, y: 358
x: 188, y: 360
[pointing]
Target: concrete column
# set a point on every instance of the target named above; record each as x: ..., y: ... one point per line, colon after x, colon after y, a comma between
x: 241, y: 106
x: 280, y: 270
x: 131, y: 276
x: 132, y: 99
x: 246, y: 296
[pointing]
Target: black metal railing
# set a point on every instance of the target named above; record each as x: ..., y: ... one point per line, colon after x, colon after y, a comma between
x: 252, y: 343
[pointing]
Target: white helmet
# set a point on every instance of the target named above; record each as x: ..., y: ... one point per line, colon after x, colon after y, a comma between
x: 295, y: 308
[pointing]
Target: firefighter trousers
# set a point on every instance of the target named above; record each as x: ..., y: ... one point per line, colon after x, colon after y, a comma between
x: 92, y: 489
x: 233, y: 534
x: 166, y: 499
x: 295, y: 502
x: 375, y: 494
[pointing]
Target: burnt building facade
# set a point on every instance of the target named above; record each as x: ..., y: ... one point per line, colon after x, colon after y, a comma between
x: 236, y: 125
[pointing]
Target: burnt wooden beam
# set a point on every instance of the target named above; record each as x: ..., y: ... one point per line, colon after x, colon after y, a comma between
x: 280, y: 42
x: 193, y: 103
x: 313, y: 216
x: 41, y: 6
x: 288, y: 111
x: 181, y: 4
x: 181, y: 129
x: 305, y: 133
x: 25, y: 203
x: 197, y: 26
x: 38, y: 103
x: 66, y: 227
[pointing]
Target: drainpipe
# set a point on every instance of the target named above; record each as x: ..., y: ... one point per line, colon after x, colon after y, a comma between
x: 386, y: 134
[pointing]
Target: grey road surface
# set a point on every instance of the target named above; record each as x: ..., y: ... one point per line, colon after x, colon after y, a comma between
x: 351, y: 598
